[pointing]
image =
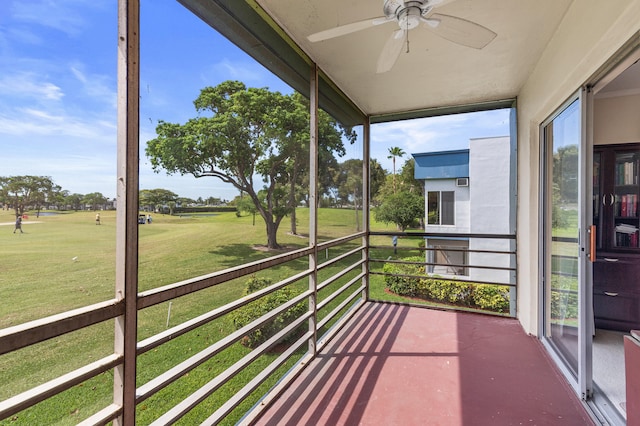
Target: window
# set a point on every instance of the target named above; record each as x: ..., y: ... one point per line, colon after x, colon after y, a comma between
x: 448, y: 256
x: 440, y: 208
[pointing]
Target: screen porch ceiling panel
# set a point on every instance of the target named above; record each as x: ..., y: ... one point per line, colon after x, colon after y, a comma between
x: 434, y: 72
x: 430, y: 72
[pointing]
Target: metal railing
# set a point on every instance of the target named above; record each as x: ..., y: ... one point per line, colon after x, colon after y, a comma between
x: 345, y: 287
x: 481, y: 265
x: 345, y: 272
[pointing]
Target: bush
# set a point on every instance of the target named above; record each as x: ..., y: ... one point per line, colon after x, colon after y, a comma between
x: 491, y: 297
x: 260, y: 307
x: 404, y: 286
x: 487, y: 297
x: 564, y: 297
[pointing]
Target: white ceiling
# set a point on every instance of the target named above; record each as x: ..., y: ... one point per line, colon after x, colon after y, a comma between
x: 435, y: 72
x: 627, y: 83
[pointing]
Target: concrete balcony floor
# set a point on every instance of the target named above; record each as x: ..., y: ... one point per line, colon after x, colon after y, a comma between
x: 399, y: 365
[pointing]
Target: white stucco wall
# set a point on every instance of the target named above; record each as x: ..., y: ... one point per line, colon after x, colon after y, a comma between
x: 616, y: 120
x: 489, y: 183
x: 589, y: 36
x: 489, y: 176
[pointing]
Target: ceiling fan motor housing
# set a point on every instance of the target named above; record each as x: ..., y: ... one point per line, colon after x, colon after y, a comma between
x: 407, y: 13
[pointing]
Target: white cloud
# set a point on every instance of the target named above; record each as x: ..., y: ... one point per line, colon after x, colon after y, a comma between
x: 31, y: 122
x: 29, y: 85
x: 100, y: 87
x: 59, y: 15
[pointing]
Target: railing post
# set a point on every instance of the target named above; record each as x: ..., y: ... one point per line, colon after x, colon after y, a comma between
x: 124, y: 381
x: 313, y: 207
x: 366, y: 185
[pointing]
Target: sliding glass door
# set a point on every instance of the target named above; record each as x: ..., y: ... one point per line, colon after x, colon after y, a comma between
x: 564, y: 265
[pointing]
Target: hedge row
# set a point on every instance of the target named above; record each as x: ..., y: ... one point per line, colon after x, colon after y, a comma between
x: 207, y: 209
x: 488, y: 297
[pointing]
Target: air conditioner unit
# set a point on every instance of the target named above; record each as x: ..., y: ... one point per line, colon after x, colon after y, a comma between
x: 462, y: 182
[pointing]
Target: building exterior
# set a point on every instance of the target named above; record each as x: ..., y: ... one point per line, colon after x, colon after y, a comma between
x: 469, y: 192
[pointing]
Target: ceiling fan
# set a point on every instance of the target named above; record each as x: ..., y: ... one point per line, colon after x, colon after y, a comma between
x: 409, y: 14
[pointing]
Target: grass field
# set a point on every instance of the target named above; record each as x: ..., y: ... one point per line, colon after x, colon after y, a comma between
x: 64, y: 261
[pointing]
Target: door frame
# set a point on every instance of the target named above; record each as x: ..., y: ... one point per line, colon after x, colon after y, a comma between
x: 581, y: 380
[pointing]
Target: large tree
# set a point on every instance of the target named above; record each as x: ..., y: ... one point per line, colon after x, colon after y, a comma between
x: 295, y: 141
x: 347, y: 186
x: 21, y: 192
x: 395, y: 152
x: 402, y: 208
x: 95, y: 200
x: 242, y: 133
x: 152, y: 197
x: 401, y: 197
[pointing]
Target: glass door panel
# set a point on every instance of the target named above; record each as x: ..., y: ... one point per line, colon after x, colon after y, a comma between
x: 562, y: 138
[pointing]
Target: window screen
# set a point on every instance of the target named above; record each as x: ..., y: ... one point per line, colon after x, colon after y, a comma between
x: 440, y: 208
x: 447, y: 211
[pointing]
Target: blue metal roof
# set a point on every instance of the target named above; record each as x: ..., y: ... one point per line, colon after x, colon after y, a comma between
x: 442, y: 164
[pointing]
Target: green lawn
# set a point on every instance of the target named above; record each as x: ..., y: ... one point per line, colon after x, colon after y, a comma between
x: 65, y: 261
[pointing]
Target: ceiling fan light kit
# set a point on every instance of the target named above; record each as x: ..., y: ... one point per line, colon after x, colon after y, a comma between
x: 408, y: 15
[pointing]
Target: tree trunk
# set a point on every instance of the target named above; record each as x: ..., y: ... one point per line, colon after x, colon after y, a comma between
x: 272, y: 229
x: 292, y: 204
x: 355, y: 206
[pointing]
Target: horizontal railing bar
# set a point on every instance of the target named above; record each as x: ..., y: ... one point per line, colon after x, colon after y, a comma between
x: 103, y: 417
x: 182, y: 288
x: 173, y: 374
x: 444, y: 278
x: 328, y: 244
x: 341, y: 306
x: 405, y: 248
x: 207, y: 389
x: 179, y: 330
x: 32, y: 332
x: 339, y: 291
x: 565, y: 240
x: 253, y: 384
x: 341, y: 257
x: 53, y: 387
x: 457, y: 265
x: 445, y: 235
x: 340, y: 274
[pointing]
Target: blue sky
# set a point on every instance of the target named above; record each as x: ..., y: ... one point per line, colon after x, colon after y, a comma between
x: 58, y: 94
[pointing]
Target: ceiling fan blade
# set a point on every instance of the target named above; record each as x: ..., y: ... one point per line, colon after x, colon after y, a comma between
x: 438, y: 3
x: 348, y: 28
x: 391, y: 51
x: 460, y: 31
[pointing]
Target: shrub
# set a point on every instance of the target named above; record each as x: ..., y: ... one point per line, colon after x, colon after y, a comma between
x: 488, y: 297
x: 404, y: 286
x: 260, y: 307
x: 564, y: 305
x: 491, y: 297
x: 564, y: 297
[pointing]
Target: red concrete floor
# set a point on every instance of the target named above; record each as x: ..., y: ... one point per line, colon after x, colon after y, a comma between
x: 399, y: 365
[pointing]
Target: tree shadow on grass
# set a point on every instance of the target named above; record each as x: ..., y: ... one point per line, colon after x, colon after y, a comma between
x: 231, y: 255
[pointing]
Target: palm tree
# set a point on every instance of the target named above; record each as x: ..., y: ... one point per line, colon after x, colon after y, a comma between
x: 394, y: 152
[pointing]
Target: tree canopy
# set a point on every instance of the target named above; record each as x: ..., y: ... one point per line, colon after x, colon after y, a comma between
x: 402, y: 208
x: 22, y: 191
x: 243, y: 133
